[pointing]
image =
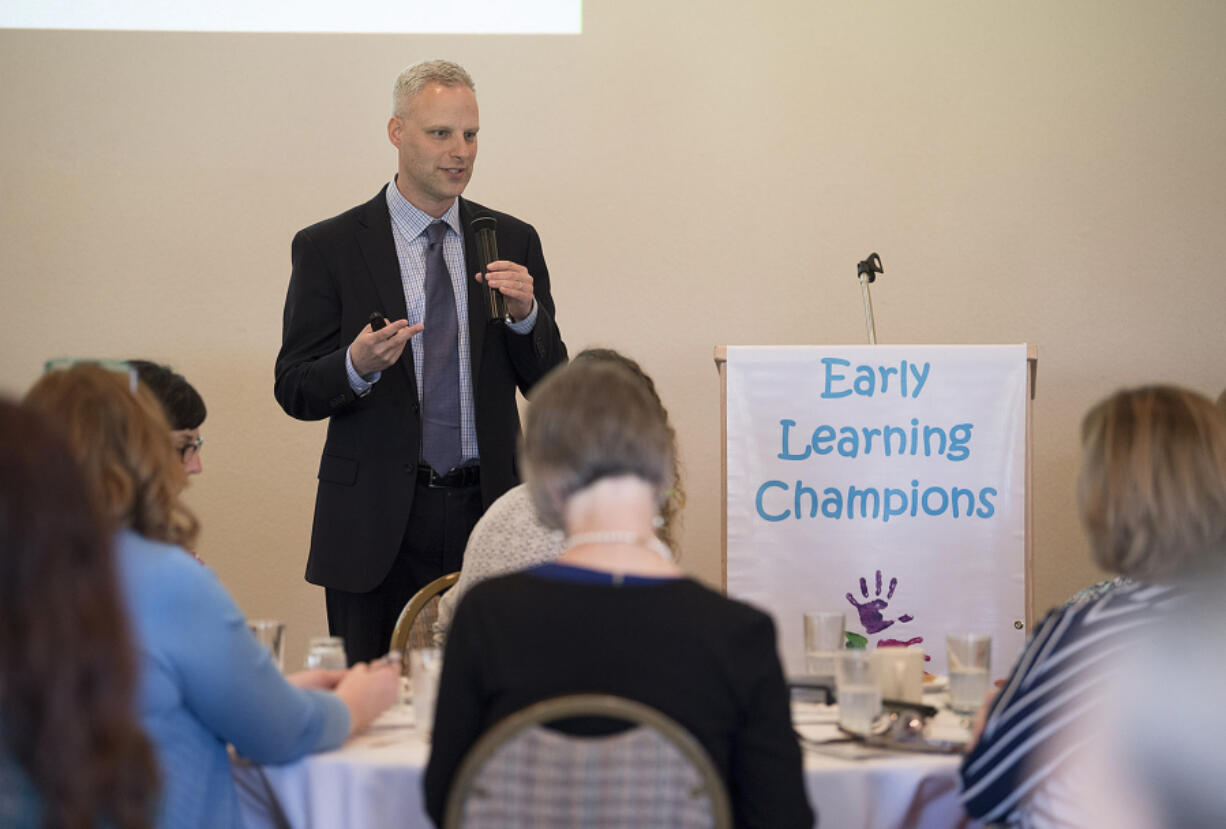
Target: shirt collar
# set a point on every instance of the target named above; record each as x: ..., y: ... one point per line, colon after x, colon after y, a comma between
x: 413, y: 222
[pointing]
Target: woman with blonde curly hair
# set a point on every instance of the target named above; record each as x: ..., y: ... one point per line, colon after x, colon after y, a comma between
x: 204, y: 679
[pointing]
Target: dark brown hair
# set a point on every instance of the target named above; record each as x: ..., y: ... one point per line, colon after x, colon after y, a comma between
x: 183, y: 405
x: 123, y: 445
x: 1152, y: 490
x: 67, y: 669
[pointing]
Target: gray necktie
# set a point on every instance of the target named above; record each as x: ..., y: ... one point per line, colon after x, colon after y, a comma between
x: 441, y: 366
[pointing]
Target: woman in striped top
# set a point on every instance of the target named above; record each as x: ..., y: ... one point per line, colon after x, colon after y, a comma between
x: 1152, y: 498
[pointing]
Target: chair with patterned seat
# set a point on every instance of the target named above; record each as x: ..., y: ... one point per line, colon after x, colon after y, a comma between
x: 650, y: 771
x: 415, y: 627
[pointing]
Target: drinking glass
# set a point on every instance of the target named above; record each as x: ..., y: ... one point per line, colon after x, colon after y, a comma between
x: 858, y: 691
x: 327, y: 652
x: 425, y: 666
x: 271, y: 634
x: 823, y: 639
x: 970, y: 658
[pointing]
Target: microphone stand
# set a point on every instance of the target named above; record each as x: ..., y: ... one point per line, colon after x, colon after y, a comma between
x: 866, y: 272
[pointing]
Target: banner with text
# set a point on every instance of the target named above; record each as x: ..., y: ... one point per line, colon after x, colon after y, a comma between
x: 884, y: 481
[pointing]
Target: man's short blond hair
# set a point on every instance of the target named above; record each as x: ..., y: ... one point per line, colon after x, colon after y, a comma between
x: 415, y: 78
x: 1152, y: 489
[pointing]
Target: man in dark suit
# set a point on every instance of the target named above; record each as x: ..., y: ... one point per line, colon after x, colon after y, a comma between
x: 388, y: 519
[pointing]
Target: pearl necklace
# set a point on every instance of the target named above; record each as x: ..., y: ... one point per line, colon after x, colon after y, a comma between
x: 628, y: 537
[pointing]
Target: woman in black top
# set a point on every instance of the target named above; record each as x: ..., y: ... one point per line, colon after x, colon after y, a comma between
x: 614, y: 614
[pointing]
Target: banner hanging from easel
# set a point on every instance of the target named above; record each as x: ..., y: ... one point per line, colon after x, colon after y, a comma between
x: 884, y: 481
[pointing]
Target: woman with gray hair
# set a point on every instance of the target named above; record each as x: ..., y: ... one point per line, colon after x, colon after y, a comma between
x: 510, y: 536
x: 614, y: 614
x: 1152, y: 498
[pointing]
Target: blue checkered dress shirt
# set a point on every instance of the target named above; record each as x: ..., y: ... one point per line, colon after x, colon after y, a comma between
x: 409, y: 233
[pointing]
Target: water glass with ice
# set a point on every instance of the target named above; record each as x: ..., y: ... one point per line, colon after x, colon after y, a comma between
x: 425, y: 666
x: 858, y: 690
x: 271, y: 634
x: 969, y: 657
x: 823, y: 639
x: 327, y: 652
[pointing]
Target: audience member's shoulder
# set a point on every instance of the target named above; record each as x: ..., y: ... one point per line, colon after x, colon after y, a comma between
x: 1122, y: 606
x: 162, y: 568
x: 512, y: 587
x: 511, y: 509
x: 715, y: 605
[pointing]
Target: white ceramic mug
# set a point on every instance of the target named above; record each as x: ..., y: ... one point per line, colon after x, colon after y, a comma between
x: 900, y: 672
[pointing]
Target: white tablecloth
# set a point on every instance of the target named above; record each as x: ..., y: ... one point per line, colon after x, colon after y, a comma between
x: 375, y: 780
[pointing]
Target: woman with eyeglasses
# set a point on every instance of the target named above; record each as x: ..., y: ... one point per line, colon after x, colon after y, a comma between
x: 183, y: 407
x: 204, y: 679
x: 72, y: 752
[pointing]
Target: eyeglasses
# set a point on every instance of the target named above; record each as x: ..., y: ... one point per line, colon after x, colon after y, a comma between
x: 117, y: 366
x: 188, y: 450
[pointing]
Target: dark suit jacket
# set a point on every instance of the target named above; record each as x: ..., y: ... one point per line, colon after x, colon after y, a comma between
x: 343, y: 269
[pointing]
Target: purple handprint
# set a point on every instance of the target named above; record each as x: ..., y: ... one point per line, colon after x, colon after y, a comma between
x: 870, y: 611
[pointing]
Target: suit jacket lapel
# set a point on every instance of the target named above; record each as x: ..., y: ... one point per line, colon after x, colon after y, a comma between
x: 378, y: 248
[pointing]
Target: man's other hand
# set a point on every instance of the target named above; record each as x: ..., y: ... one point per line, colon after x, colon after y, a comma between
x: 373, y: 351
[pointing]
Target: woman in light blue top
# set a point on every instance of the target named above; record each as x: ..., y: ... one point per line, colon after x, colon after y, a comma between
x: 204, y: 679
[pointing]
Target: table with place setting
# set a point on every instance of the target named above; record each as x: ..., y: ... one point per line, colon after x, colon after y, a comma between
x: 376, y: 776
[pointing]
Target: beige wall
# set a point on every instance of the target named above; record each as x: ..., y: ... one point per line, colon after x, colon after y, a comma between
x: 700, y: 173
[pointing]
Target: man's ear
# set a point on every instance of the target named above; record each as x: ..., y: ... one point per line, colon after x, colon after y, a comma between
x: 395, y: 131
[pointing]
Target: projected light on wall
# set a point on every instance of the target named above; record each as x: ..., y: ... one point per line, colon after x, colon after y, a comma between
x: 351, y: 16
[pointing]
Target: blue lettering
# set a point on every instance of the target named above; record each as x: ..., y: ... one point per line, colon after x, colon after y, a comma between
x: 988, y: 509
x: 758, y: 501
x: 959, y: 492
x: 801, y: 489
x: 866, y: 382
x: 959, y: 437
x: 823, y: 435
x: 831, y: 377
x: 944, y: 500
x: 785, y: 454
x: 849, y: 443
x: 832, y: 504
x: 920, y: 378
x: 885, y: 372
x: 863, y: 495
x: 901, y: 509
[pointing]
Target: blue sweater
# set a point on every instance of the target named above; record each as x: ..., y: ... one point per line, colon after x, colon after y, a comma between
x: 205, y: 681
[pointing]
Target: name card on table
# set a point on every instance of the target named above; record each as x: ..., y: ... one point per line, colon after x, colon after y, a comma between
x: 886, y: 481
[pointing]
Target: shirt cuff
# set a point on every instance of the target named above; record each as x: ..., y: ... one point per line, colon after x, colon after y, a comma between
x: 361, y: 385
x: 525, y: 325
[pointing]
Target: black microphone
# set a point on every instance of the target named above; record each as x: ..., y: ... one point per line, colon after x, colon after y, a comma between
x: 483, y: 229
